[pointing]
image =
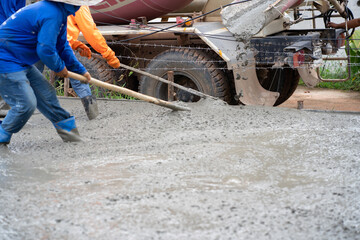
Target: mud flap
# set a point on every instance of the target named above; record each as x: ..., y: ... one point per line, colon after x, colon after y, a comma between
x: 247, y: 85
x: 249, y: 89
x: 308, y: 75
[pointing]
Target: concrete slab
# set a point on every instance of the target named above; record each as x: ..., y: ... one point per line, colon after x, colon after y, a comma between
x: 217, y: 172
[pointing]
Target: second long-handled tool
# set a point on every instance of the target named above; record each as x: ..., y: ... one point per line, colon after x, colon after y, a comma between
x: 190, y: 90
x: 129, y: 92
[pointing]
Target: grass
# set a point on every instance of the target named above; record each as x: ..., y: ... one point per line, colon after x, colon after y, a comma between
x: 59, y: 88
x: 352, y: 84
x: 338, y: 70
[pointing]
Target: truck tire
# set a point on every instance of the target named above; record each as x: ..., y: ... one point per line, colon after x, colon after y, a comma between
x: 100, y: 70
x: 192, y: 68
x: 283, y: 81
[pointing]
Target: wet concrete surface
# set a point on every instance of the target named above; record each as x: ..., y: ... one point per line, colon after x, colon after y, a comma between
x: 217, y: 172
x: 248, y: 18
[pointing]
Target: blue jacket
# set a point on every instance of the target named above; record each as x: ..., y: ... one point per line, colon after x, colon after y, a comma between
x: 38, y: 32
x: 9, y: 7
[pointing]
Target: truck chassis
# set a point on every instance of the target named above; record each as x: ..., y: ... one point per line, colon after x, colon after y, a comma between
x: 207, y: 57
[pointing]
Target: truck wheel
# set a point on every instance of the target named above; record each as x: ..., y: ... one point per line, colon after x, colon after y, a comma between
x: 283, y: 81
x: 193, y: 69
x: 100, y: 70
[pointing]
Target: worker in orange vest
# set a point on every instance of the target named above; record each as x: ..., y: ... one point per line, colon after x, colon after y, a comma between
x: 83, y: 22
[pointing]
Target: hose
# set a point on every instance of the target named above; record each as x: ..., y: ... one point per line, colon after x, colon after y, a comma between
x: 327, y: 18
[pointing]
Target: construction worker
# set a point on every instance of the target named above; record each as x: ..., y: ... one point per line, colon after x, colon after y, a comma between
x: 7, y: 8
x: 37, y: 32
x: 83, y: 22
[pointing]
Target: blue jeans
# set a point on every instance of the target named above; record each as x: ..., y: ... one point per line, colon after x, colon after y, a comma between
x: 81, y: 89
x: 25, y: 91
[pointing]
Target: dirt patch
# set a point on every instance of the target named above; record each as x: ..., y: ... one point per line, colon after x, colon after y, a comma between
x: 324, y: 99
x: 217, y: 172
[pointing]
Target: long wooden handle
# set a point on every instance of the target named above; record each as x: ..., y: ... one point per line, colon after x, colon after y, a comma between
x: 186, y: 89
x: 128, y: 92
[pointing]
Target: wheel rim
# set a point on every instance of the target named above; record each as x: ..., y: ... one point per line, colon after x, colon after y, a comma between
x: 183, y: 79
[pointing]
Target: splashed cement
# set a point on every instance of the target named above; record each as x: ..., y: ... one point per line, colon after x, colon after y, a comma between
x: 246, y: 19
x: 218, y: 172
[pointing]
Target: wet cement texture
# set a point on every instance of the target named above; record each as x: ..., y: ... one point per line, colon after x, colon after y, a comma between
x: 245, y: 20
x: 217, y: 172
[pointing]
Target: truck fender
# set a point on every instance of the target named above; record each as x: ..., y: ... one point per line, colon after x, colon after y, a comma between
x: 248, y: 88
x: 308, y: 75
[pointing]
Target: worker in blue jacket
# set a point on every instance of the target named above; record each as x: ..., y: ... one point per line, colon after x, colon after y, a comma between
x: 9, y: 7
x: 37, y: 32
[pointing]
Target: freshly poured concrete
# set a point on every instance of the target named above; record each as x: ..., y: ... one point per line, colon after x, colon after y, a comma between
x: 218, y: 172
x: 246, y: 19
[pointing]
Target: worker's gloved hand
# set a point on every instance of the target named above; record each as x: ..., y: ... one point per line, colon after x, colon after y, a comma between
x: 82, y: 49
x: 63, y: 73
x: 111, y: 59
x: 114, y: 62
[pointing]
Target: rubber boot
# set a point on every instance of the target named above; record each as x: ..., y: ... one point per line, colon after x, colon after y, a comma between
x: 67, y: 130
x: 91, y: 107
x: 4, y: 136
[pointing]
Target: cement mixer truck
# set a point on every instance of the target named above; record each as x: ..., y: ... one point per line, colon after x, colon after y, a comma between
x: 212, y: 46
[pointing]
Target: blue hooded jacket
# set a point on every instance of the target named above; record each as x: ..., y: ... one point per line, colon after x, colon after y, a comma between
x: 9, y: 7
x: 38, y: 32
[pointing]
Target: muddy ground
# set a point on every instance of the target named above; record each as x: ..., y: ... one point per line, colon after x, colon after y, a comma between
x: 217, y: 172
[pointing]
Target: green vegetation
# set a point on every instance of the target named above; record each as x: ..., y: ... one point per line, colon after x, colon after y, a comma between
x: 59, y: 87
x: 96, y: 91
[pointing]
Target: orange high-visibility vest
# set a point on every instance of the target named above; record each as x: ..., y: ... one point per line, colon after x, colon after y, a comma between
x: 83, y: 22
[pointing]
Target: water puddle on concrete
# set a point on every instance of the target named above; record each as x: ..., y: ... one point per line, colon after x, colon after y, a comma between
x: 17, y: 168
x: 277, y: 158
